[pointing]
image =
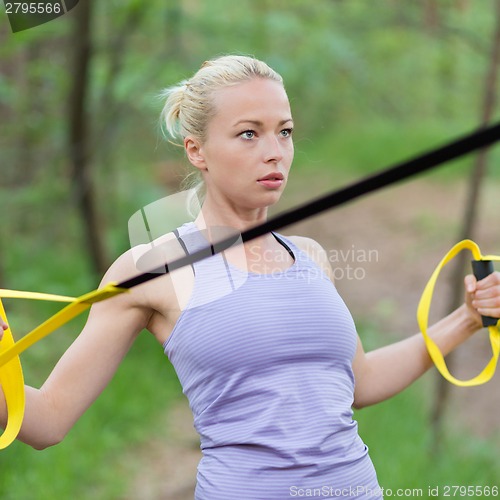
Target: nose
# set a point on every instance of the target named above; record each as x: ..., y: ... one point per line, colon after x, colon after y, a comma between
x: 273, y: 152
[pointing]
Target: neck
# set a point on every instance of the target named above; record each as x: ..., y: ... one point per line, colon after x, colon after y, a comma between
x: 228, y: 220
x: 212, y: 214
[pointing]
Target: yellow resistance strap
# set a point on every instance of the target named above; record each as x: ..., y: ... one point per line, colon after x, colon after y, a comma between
x: 423, y: 320
x: 11, y: 373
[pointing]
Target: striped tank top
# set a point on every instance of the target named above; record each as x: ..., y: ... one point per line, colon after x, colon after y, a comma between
x: 265, y: 361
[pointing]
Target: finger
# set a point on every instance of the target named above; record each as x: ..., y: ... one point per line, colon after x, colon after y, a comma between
x: 489, y: 312
x: 488, y: 287
x: 490, y: 303
x: 487, y: 301
x: 3, y: 326
x: 491, y: 280
x: 489, y: 292
x: 470, y: 283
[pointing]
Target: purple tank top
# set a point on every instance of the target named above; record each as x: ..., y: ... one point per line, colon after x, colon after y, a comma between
x: 265, y: 361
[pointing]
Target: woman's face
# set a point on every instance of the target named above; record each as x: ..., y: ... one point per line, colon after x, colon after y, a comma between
x: 248, y: 152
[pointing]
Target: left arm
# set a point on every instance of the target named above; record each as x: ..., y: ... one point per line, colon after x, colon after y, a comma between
x: 384, y: 372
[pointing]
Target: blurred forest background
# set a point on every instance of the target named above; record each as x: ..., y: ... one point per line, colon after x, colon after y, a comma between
x: 371, y: 83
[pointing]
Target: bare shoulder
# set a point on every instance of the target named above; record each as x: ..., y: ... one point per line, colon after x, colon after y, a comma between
x: 315, y: 252
x: 147, y: 258
x: 123, y: 268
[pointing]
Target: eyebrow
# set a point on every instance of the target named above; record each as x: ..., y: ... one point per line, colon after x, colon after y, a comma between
x: 258, y: 123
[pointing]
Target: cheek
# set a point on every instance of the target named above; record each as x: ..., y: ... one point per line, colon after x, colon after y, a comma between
x: 290, y: 155
x: 219, y: 159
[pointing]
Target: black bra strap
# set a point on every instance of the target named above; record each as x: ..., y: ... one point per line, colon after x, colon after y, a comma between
x: 283, y: 244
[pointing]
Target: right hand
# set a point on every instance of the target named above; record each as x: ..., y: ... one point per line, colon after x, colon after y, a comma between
x: 3, y: 327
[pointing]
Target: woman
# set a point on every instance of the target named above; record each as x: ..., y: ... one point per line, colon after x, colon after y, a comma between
x: 263, y: 345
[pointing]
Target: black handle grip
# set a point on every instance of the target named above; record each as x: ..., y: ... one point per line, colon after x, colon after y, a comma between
x: 481, y: 269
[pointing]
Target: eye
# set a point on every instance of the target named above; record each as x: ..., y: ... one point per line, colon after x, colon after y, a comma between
x: 248, y: 135
x: 287, y: 132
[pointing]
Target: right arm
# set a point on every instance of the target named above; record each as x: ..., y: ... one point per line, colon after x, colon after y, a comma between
x: 86, y: 367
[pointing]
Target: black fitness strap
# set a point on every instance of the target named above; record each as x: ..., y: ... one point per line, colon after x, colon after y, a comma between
x: 476, y: 140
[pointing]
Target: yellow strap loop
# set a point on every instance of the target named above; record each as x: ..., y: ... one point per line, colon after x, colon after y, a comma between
x: 12, y: 382
x: 11, y: 374
x: 423, y: 320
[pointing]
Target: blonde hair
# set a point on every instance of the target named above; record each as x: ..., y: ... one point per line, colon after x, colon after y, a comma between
x: 189, y: 105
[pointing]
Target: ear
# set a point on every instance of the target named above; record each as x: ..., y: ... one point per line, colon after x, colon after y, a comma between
x: 194, y: 152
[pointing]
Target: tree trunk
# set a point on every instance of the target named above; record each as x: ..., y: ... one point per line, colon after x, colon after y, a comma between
x: 173, y: 30
x: 79, y: 138
x: 431, y: 16
x: 115, y: 53
x: 477, y: 175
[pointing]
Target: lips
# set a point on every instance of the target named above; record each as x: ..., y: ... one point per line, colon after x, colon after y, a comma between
x: 273, y: 176
x: 272, y: 180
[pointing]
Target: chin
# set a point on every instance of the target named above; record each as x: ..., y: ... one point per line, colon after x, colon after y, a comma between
x: 271, y: 199
x: 259, y: 201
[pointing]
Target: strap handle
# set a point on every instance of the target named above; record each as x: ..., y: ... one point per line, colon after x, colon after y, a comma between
x: 481, y: 269
x: 423, y: 321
